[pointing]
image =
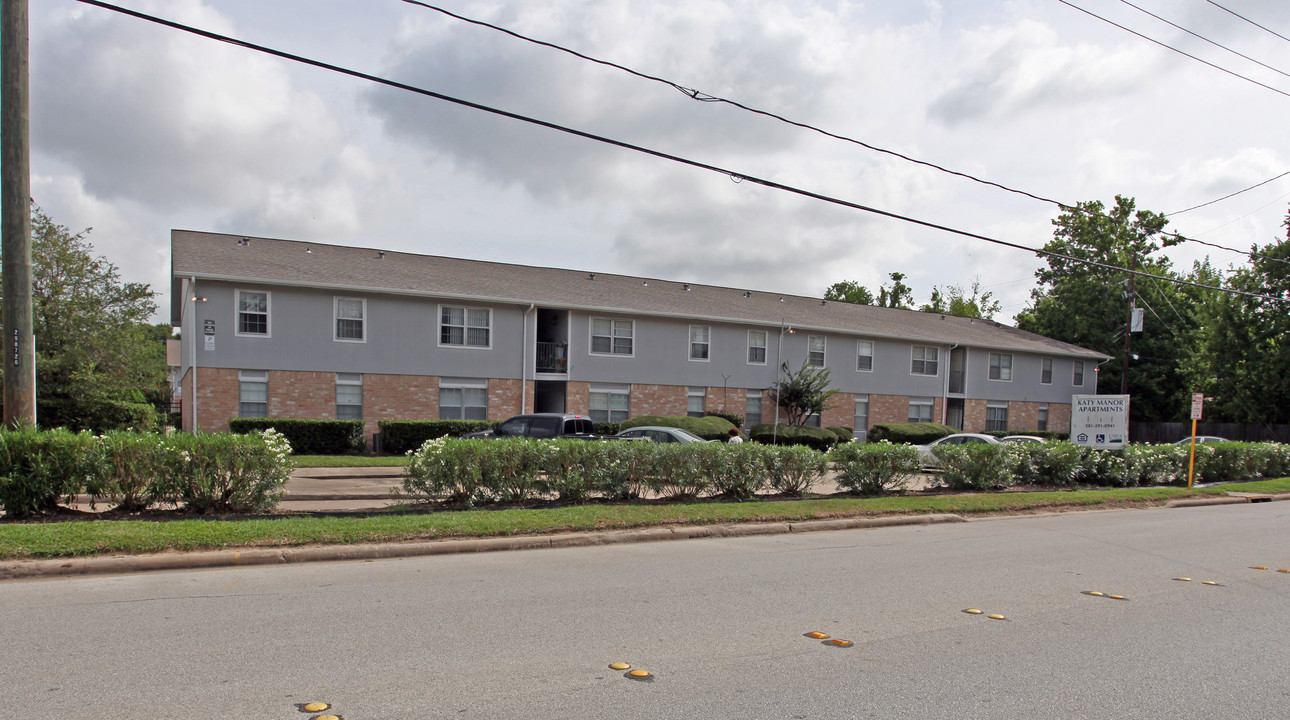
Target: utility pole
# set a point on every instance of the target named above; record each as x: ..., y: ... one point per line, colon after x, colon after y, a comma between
x: 1128, y: 324
x: 15, y: 204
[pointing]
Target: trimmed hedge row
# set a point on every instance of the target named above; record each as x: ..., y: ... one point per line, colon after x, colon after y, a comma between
x: 309, y: 437
x: 708, y: 427
x: 398, y: 437
x: 39, y: 469
x: 98, y: 415
x: 911, y: 433
x: 816, y: 438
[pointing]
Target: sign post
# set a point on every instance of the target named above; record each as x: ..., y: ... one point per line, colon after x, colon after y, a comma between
x: 1197, y: 407
x: 1100, y: 421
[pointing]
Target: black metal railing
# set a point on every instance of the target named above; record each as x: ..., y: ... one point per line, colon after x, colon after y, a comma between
x: 552, y: 357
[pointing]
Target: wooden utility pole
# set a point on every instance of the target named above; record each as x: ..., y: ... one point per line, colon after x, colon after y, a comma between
x: 1128, y: 324
x: 15, y: 204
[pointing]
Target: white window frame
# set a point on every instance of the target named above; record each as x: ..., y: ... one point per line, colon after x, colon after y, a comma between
x: 1077, y: 371
x: 613, y: 327
x: 996, y: 405
x: 268, y: 314
x: 696, y: 392
x: 936, y: 360
x: 764, y: 337
x: 349, y: 380
x: 463, y: 384
x: 465, y: 328
x: 706, y: 343
x: 336, y: 318
x: 861, y: 433
x: 252, y: 376
x: 760, y: 397
x: 860, y: 354
x: 989, y: 373
x: 1041, y: 417
x: 609, y: 391
x: 824, y: 348
x: 1046, y: 368
x: 929, y: 403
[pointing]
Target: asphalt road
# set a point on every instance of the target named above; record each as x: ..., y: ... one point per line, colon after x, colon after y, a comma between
x: 719, y: 623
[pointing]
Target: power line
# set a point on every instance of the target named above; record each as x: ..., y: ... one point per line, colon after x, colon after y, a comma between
x: 1238, y: 192
x: 1220, y: 7
x: 1202, y: 37
x: 647, y: 151
x: 1170, y: 47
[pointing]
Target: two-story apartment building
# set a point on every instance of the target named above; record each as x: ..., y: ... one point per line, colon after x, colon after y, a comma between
x: 283, y: 328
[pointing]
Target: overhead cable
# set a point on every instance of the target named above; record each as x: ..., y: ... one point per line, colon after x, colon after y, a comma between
x: 1220, y: 7
x: 647, y: 151
x: 1202, y: 37
x: 1238, y: 192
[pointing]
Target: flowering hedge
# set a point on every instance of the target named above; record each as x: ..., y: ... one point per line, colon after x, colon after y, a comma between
x: 197, y: 473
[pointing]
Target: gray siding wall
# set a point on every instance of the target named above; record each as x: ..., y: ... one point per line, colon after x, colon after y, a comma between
x: 1025, y: 383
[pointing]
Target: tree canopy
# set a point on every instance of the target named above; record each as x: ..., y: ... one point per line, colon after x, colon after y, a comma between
x: 803, y: 392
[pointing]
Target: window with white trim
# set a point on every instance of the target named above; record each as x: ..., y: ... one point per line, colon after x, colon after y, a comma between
x: 611, y: 337
x: 752, y: 408
x: 924, y: 360
x: 1078, y: 378
x: 610, y: 403
x: 700, y: 341
x: 253, y: 313
x: 996, y: 416
x: 1046, y: 372
x: 463, y: 399
x: 349, y: 396
x: 815, y: 345
x: 696, y: 401
x: 351, y: 319
x: 920, y: 409
x: 253, y: 393
x: 756, y: 347
x: 465, y: 326
x: 1043, y: 417
x: 1001, y: 366
x: 864, y: 356
x: 861, y: 427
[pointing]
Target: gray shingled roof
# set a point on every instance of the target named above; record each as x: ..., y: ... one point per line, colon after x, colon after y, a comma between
x: 218, y: 256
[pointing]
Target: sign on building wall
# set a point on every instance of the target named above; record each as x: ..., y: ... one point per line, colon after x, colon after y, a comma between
x: 1100, y: 421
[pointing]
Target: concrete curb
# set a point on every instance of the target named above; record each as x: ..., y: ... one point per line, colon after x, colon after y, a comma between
x: 1231, y: 499
x: 37, y: 569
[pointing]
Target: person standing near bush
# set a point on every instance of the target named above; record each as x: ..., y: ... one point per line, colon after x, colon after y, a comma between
x: 734, y: 437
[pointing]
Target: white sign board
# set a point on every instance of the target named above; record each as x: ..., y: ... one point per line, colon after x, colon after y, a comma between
x: 1197, y: 405
x: 1100, y: 421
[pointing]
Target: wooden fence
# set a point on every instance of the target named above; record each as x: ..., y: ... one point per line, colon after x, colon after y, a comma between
x: 1165, y: 432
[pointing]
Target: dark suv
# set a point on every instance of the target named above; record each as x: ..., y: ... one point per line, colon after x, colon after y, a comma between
x: 542, y: 425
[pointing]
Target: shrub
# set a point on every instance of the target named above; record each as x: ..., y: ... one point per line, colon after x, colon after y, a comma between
x: 449, y: 469
x: 606, y: 428
x: 510, y: 468
x: 224, y: 472
x: 629, y: 467
x: 399, y: 437
x: 309, y: 437
x: 677, y: 473
x: 78, y: 414
x: 845, y: 434
x: 129, y: 469
x: 793, y: 469
x: 735, y: 471
x: 875, y: 468
x: 816, y: 438
x: 573, y: 467
x: 976, y: 466
x: 708, y: 428
x: 732, y: 418
x: 38, y: 468
x: 910, y: 433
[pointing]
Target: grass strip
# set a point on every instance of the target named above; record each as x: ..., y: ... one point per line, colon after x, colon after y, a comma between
x: 97, y: 537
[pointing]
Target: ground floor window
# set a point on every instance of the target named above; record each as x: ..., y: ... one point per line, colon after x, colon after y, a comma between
x: 253, y: 393
x: 996, y: 416
x: 752, y: 409
x: 1043, y: 417
x: 463, y: 399
x: 610, y: 403
x: 349, y: 396
x: 861, y: 426
x: 920, y: 410
x: 696, y: 402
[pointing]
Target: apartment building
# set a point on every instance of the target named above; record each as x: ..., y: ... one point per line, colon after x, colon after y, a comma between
x: 281, y: 328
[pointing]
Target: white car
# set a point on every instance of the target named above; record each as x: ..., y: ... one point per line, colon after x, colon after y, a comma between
x: 659, y: 434
x: 1021, y: 439
x: 929, y: 458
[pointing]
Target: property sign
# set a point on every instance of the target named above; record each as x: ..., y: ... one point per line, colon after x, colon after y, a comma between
x: 1197, y: 405
x: 1100, y: 421
x: 208, y: 327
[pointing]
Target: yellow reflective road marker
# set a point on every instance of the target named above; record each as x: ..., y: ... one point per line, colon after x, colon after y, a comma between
x: 841, y: 643
x: 314, y: 707
x: 640, y: 675
x: 325, y: 717
x: 996, y: 617
x: 1283, y: 570
x: 620, y: 666
x: 1096, y: 593
x: 973, y: 611
x: 1258, y: 567
x: 1184, y: 579
x: 1117, y: 597
x: 818, y: 635
x: 1208, y: 582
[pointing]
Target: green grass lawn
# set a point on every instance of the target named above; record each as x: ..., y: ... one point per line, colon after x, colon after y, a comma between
x: 304, y: 461
x: 80, y: 538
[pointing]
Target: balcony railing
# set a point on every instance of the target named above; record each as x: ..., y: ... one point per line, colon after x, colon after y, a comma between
x: 956, y: 381
x: 552, y: 358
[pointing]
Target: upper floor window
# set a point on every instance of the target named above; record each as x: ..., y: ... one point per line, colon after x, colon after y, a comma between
x: 1078, y: 378
x: 349, y: 396
x: 1046, y: 373
x: 465, y: 326
x: 864, y: 356
x: 351, y: 319
x: 815, y: 350
x: 756, y: 347
x: 925, y: 361
x: 252, y: 313
x: 1001, y: 366
x: 700, y: 341
x: 611, y: 337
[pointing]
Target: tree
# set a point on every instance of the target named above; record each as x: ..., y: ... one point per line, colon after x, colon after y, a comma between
x: 93, y: 343
x: 849, y: 291
x: 1088, y: 305
x: 803, y: 393
x: 898, y: 295
x: 955, y: 302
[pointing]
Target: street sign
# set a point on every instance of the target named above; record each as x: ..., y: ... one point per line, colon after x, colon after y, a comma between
x: 1197, y: 405
x: 208, y: 327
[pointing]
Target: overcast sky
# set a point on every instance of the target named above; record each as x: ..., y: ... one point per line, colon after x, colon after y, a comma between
x: 137, y: 129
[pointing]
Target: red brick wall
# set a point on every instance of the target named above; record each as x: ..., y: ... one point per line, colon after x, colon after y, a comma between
x: 667, y: 400
x: 577, y: 398
x: 398, y: 397
x: 1059, y: 417
x: 725, y: 399
x: 888, y: 409
x: 294, y: 394
x: 1023, y: 415
x: 504, y: 398
x: 841, y: 411
x: 973, y: 415
x: 217, y: 398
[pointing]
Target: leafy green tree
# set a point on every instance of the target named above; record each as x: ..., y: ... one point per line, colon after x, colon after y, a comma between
x: 93, y: 343
x: 849, y: 291
x: 899, y: 295
x: 804, y: 392
x: 1087, y: 305
x: 954, y: 301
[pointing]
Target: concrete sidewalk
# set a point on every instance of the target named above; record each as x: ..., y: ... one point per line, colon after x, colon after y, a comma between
x: 351, y: 488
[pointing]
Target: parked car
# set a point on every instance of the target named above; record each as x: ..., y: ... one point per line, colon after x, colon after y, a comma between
x: 929, y: 458
x: 542, y: 425
x: 1021, y: 439
x: 1201, y: 439
x: 660, y: 434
